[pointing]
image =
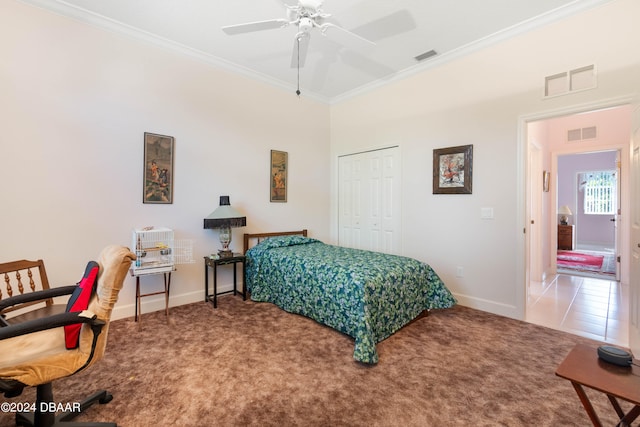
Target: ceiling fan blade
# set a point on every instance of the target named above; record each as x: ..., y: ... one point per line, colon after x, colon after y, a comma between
x: 388, y: 26
x: 255, y: 26
x: 346, y: 37
x: 300, y: 47
x: 366, y: 65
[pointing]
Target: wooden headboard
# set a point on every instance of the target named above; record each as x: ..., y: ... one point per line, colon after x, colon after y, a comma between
x: 255, y: 238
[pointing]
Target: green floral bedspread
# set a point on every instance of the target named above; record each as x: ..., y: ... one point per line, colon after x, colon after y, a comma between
x: 366, y: 295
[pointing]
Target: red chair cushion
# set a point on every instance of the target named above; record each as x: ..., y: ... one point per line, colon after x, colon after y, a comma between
x: 79, y: 301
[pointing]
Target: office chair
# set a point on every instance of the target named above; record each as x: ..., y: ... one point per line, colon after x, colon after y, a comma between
x: 34, y: 353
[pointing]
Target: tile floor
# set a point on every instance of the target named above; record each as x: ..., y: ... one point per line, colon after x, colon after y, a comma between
x: 585, y: 306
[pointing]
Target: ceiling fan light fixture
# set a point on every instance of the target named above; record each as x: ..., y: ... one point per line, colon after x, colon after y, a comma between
x: 429, y: 54
x: 305, y: 25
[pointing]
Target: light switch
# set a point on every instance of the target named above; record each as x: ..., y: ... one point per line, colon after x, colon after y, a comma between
x: 486, y: 213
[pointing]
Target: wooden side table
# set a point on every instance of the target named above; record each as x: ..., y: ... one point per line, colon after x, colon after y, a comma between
x: 216, y: 261
x: 565, y: 237
x: 583, y: 367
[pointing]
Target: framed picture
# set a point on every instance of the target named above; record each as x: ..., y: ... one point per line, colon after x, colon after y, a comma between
x: 279, y: 166
x: 158, y: 169
x: 453, y: 170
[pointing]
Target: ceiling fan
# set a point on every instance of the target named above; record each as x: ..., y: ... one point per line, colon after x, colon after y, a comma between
x: 307, y: 15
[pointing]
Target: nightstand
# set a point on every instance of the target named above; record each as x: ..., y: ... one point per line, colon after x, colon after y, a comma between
x: 216, y: 261
x: 565, y: 237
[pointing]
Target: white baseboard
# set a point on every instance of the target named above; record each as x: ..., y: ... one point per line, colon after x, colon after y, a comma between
x: 156, y: 303
x: 489, y: 306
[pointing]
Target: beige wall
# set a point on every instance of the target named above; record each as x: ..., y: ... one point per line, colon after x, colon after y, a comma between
x: 75, y: 103
x: 485, y: 99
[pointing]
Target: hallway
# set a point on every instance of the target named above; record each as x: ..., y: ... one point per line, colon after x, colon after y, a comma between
x: 585, y: 306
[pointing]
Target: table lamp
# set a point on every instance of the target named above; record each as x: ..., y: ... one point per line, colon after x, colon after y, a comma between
x: 564, y: 212
x: 224, y: 218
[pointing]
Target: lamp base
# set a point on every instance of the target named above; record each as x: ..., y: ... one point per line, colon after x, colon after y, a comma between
x: 225, y: 254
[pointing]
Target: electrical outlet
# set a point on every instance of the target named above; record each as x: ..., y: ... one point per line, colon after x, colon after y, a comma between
x: 459, y: 272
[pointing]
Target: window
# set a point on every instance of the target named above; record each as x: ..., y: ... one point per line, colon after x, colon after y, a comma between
x: 599, y: 192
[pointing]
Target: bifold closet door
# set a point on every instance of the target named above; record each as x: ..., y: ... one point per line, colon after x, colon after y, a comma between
x: 369, y: 200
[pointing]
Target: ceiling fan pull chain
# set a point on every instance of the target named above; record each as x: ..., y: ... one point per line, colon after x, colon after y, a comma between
x: 308, y: 17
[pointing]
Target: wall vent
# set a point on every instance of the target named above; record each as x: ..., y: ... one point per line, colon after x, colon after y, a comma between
x: 426, y: 55
x: 589, y: 133
x: 574, y: 135
x: 578, y: 79
x: 556, y: 84
x: 582, y: 78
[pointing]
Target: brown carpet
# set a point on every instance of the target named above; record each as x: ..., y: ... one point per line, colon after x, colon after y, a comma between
x: 248, y: 363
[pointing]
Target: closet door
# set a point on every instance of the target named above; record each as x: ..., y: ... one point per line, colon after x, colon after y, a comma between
x: 369, y: 200
x: 349, y: 201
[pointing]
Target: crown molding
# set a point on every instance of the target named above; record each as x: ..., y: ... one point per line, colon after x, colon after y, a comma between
x: 63, y: 8
x: 550, y: 17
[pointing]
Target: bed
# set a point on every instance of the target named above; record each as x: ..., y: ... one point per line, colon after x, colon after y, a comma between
x: 366, y: 295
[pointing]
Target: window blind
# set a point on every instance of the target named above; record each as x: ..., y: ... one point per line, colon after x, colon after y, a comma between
x: 599, y: 193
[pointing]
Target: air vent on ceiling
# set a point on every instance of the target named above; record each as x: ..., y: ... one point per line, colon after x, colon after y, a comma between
x: 426, y: 55
x: 582, y: 134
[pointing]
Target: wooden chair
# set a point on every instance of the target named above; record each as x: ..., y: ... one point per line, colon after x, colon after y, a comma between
x: 20, y: 279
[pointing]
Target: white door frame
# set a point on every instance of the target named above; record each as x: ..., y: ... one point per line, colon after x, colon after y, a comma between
x: 634, y: 244
x: 523, y: 228
x: 534, y: 213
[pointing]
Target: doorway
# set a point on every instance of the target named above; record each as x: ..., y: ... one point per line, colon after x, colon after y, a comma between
x: 550, y: 297
x: 587, y: 199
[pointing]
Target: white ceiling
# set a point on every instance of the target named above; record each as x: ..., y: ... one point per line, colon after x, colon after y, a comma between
x: 401, y: 30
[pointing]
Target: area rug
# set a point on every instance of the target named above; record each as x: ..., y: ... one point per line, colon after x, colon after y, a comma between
x: 580, y: 261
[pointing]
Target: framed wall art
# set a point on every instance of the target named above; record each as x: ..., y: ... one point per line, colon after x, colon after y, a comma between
x: 453, y: 170
x: 158, y: 169
x: 279, y: 165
